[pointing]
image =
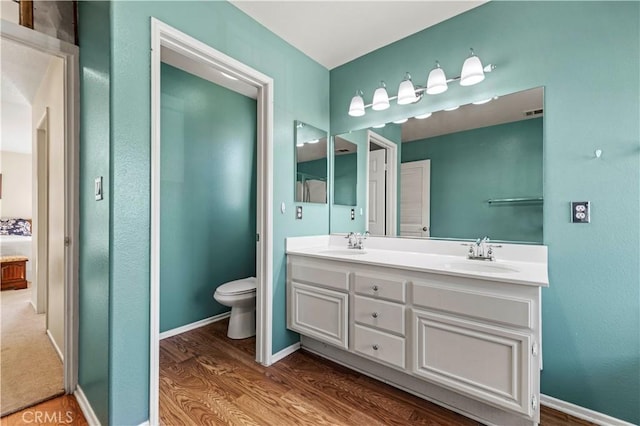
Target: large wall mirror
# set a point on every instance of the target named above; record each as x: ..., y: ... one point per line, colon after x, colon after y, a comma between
x: 469, y: 172
x: 311, y: 164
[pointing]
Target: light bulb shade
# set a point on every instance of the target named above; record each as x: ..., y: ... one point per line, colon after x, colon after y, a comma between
x: 356, y: 108
x: 472, y: 72
x: 437, y: 81
x: 380, y: 99
x: 406, y: 92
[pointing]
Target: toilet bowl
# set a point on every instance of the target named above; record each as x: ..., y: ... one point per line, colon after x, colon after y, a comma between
x: 240, y: 295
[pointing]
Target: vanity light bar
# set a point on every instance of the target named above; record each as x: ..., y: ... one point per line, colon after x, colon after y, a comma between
x: 472, y: 73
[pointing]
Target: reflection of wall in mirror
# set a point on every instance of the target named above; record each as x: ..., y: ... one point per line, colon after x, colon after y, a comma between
x: 468, y: 168
x: 345, y: 179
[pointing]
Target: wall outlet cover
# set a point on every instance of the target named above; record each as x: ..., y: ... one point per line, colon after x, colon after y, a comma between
x: 580, y: 212
x: 298, y: 212
x: 353, y: 214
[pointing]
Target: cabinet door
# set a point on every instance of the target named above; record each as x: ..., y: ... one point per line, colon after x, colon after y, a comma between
x: 319, y: 313
x: 488, y: 363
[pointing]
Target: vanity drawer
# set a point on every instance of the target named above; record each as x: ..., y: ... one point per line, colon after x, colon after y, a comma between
x: 320, y: 275
x: 379, y: 345
x: 505, y: 310
x: 384, y: 288
x: 380, y: 314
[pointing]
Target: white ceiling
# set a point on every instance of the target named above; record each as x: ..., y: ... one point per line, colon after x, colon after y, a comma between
x: 505, y: 109
x: 335, y: 32
x: 22, y: 71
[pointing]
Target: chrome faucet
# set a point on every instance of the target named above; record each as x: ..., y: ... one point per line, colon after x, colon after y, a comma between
x: 481, y: 250
x: 356, y: 240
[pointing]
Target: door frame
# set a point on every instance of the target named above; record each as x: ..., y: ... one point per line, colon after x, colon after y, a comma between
x: 392, y: 181
x: 165, y: 36
x: 41, y: 160
x: 69, y: 53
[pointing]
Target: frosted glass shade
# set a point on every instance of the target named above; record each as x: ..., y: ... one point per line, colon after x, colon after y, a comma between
x: 356, y: 108
x: 406, y: 92
x: 472, y: 72
x: 380, y: 99
x: 437, y: 81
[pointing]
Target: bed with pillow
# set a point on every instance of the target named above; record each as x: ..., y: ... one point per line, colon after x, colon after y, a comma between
x: 15, y: 240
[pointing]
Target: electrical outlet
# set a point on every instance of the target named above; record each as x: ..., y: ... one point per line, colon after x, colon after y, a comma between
x: 298, y: 212
x: 353, y: 214
x: 580, y: 212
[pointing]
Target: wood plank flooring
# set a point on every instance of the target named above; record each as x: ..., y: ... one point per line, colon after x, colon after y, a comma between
x: 63, y: 410
x: 208, y: 379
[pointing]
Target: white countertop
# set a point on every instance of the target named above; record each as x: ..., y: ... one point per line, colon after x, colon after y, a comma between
x: 515, y: 263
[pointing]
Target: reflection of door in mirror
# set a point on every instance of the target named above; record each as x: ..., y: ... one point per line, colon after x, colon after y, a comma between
x: 415, y: 204
x: 382, y: 185
x: 377, y: 190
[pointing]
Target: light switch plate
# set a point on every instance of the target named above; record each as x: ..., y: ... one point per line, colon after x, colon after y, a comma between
x: 98, y: 188
x: 580, y: 212
x: 298, y: 212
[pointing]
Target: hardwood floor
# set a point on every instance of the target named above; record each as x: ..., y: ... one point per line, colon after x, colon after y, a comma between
x: 208, y: 379
x: 63, y: 410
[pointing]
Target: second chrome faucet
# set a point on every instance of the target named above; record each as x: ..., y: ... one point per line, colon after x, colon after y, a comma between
x: 481, y: 250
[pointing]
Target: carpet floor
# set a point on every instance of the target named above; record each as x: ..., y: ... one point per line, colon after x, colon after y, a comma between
x: 30, y: 369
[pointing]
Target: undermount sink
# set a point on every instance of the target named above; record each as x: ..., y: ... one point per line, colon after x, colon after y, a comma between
x: 478, y: 266
x: 343, y: 252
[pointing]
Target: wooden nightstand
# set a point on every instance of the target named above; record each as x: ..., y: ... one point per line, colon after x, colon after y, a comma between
x: 14, y: 272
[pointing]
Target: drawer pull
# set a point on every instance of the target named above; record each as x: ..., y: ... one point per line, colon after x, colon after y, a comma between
x: 375, y: 315
x: 375, y: 347
x: 375, y: 287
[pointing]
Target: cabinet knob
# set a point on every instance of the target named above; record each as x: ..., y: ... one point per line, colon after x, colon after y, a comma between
x: 375, y: 347
x: 375, y: 287
x: 375, y: 315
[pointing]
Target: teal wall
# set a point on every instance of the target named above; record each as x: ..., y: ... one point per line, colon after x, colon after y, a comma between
x: 345, y: 179
x: 313, y: 169
x: 125, y: 232
x: 585, y: 54
x: 93, y: 291
x: 468, y: 168
x: 207, y: 193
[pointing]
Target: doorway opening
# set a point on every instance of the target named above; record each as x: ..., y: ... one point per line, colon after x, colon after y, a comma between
x: 40, y: 225
x: 171, y: 46
x: 382, y: 185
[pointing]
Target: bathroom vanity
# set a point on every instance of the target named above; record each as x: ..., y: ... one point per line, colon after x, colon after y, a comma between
x: 419, y: 315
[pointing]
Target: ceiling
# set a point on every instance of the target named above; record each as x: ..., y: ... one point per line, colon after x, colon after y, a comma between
x: 335, y: 32
x: 501, y: 110
x: 22, y: 71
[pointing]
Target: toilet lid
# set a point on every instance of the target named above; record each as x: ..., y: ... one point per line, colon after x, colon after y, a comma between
x: 242, y: 286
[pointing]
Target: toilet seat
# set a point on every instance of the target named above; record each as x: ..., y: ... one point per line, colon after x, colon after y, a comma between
x: 238, y: 287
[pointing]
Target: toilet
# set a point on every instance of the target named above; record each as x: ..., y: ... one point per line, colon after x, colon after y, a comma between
x: 240, y: 295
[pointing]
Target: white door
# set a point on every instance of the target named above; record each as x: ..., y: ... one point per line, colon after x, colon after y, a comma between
x: 377, y: 192
x: 415, y: 187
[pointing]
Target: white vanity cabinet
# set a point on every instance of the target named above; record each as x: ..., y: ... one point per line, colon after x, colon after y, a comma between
x: 479, y: 339
x: 468, y: 343
x: 318, y: 301
x: 379, y: 317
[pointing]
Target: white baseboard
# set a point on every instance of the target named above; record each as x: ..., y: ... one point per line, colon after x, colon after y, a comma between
x: 86, y: 408
x: 193, y: 325
x: 581, y: 412
x: 145, y: 423
x: 285, y: 352
x: 55, y: 345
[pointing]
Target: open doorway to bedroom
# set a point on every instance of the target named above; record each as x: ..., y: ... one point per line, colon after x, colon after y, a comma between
x: 32, y: 227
